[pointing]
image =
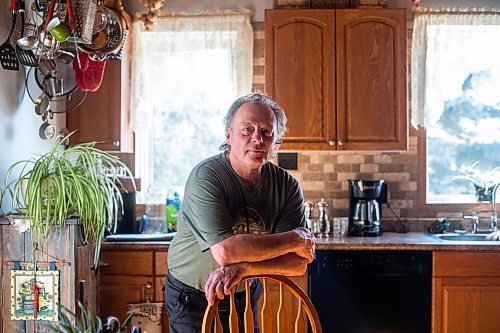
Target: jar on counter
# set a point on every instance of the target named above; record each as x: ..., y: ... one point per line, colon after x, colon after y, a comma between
x: 154, y: 219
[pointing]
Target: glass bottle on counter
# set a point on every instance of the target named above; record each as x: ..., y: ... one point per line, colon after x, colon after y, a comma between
x: 323, y: 222
x: 153, y: 221
x: 309, y: 214
x: 172, y: 207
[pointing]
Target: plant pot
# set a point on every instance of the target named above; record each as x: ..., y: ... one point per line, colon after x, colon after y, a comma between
x: 482, y: 194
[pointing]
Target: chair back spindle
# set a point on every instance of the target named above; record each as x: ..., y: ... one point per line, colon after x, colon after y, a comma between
x: 269, y: 320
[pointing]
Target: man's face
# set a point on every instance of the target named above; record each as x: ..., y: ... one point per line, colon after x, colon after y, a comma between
x: 251, y: 135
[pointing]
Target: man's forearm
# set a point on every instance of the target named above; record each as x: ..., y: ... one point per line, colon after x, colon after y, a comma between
x: 253, y: 248
x: 289, y: 264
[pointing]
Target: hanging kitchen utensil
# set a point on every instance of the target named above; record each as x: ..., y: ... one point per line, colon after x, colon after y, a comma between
x: 25, y: 56
x: 46, y: 130
x: 39, y: 5
x: 57, y: 104
x: 71, y: 16
x: 42, y: 104
x: 107, y: 40
x: 60, y: 104
x: 89, y: 76
x: 85, y: 11
x: 50, y: 12
x: 62, y: 73
x: 8, y: 57
x: 117, y: 54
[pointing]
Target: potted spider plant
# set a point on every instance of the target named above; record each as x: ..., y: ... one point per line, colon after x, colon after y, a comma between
x: 80, y: 181
x: 86, y: 322
x: 483, y: 180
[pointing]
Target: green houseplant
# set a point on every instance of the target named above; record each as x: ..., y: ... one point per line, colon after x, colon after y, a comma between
x: 80, y: 180
x: 86, y: 322
x: 482, y: 180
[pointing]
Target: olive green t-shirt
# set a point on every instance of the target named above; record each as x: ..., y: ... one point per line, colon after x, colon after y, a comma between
x: 218, y: 203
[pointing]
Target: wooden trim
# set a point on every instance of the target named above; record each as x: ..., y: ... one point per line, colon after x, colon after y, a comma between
x: 422, y: 205
x: 467, y: 263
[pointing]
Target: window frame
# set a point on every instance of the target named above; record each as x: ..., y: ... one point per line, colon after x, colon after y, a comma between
x: 422, y: 204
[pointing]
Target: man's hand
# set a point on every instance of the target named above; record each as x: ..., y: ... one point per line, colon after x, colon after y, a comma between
x: 306, y: 243
x: 222, y: 280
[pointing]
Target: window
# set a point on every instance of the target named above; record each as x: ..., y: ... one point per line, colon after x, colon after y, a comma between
x: 186, y: 72
x: 455, y: 96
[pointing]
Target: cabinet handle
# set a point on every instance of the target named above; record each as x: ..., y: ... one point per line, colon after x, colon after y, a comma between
x: 116, y: 143
x: 147, y: 291
x: 103, y: 264
x: 341, y: 142
x: 331, y: 142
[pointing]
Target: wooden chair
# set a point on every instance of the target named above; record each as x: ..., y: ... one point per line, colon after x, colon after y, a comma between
x: 267, y: 314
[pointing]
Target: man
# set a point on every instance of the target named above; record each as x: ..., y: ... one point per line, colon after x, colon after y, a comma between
x: 241, y: 215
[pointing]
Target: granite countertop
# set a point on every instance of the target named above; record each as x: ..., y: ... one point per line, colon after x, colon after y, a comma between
x: 403, y: 241
x: 388, y: 241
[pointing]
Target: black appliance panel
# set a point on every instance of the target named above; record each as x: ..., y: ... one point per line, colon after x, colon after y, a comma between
x: 372, y: 291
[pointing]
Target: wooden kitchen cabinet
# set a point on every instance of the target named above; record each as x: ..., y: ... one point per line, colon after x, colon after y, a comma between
x: 340, y: 76
x: 131, y: 277
x: 466, y: 292
x: 104, y: 115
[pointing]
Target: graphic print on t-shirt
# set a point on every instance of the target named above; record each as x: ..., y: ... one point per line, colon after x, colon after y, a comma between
x: 256, y: 223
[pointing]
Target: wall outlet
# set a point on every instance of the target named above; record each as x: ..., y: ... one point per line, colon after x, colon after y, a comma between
x: 287, y: 161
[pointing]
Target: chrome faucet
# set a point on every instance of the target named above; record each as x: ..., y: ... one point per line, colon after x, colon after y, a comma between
x: 475, y: 222
x: 493, y: 225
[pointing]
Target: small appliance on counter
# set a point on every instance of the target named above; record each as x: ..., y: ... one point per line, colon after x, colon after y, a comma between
x: 365, y: 206
x: 127, y: 219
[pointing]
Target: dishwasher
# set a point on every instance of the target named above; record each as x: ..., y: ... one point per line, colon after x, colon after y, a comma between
x: 369, y: 291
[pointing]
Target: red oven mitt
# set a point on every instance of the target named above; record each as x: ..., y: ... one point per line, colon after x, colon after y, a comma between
x: 89, y: 76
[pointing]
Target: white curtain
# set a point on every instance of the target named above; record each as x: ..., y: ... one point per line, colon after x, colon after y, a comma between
x: 431, y: 86
x: 228, y: 30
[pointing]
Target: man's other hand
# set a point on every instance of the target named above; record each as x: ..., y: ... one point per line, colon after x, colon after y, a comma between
x: 222, y: 280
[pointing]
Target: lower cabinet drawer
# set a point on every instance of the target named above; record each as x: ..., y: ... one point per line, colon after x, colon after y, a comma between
x: 126, y: 263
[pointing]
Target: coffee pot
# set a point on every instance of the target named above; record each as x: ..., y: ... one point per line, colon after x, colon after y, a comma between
x: 367, y: 211
x: 365, y: 206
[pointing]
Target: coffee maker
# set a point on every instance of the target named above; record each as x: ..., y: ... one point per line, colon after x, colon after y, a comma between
x: 365, y: 206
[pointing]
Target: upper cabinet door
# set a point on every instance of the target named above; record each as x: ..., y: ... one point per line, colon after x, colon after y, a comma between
x: 371, y: 79
x: 300, y: 74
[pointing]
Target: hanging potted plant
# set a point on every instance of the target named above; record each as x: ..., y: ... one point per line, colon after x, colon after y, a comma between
x: 483, y: 181
x: 80, y: 180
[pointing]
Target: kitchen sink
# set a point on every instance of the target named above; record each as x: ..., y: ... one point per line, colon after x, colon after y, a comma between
x: 463, y: 237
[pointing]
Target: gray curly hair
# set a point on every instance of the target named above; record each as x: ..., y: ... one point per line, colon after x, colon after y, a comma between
x: 257, y: 98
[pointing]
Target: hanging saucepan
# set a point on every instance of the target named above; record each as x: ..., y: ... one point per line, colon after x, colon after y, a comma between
x: 57, y: 104
x: 61, y: 82
x: 107, y: 35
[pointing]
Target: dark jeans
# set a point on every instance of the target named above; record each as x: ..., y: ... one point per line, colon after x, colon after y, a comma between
x: 186, y: 306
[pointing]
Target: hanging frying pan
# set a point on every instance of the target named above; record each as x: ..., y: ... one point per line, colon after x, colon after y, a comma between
x: 108, y: 34
x: 63, y: 78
